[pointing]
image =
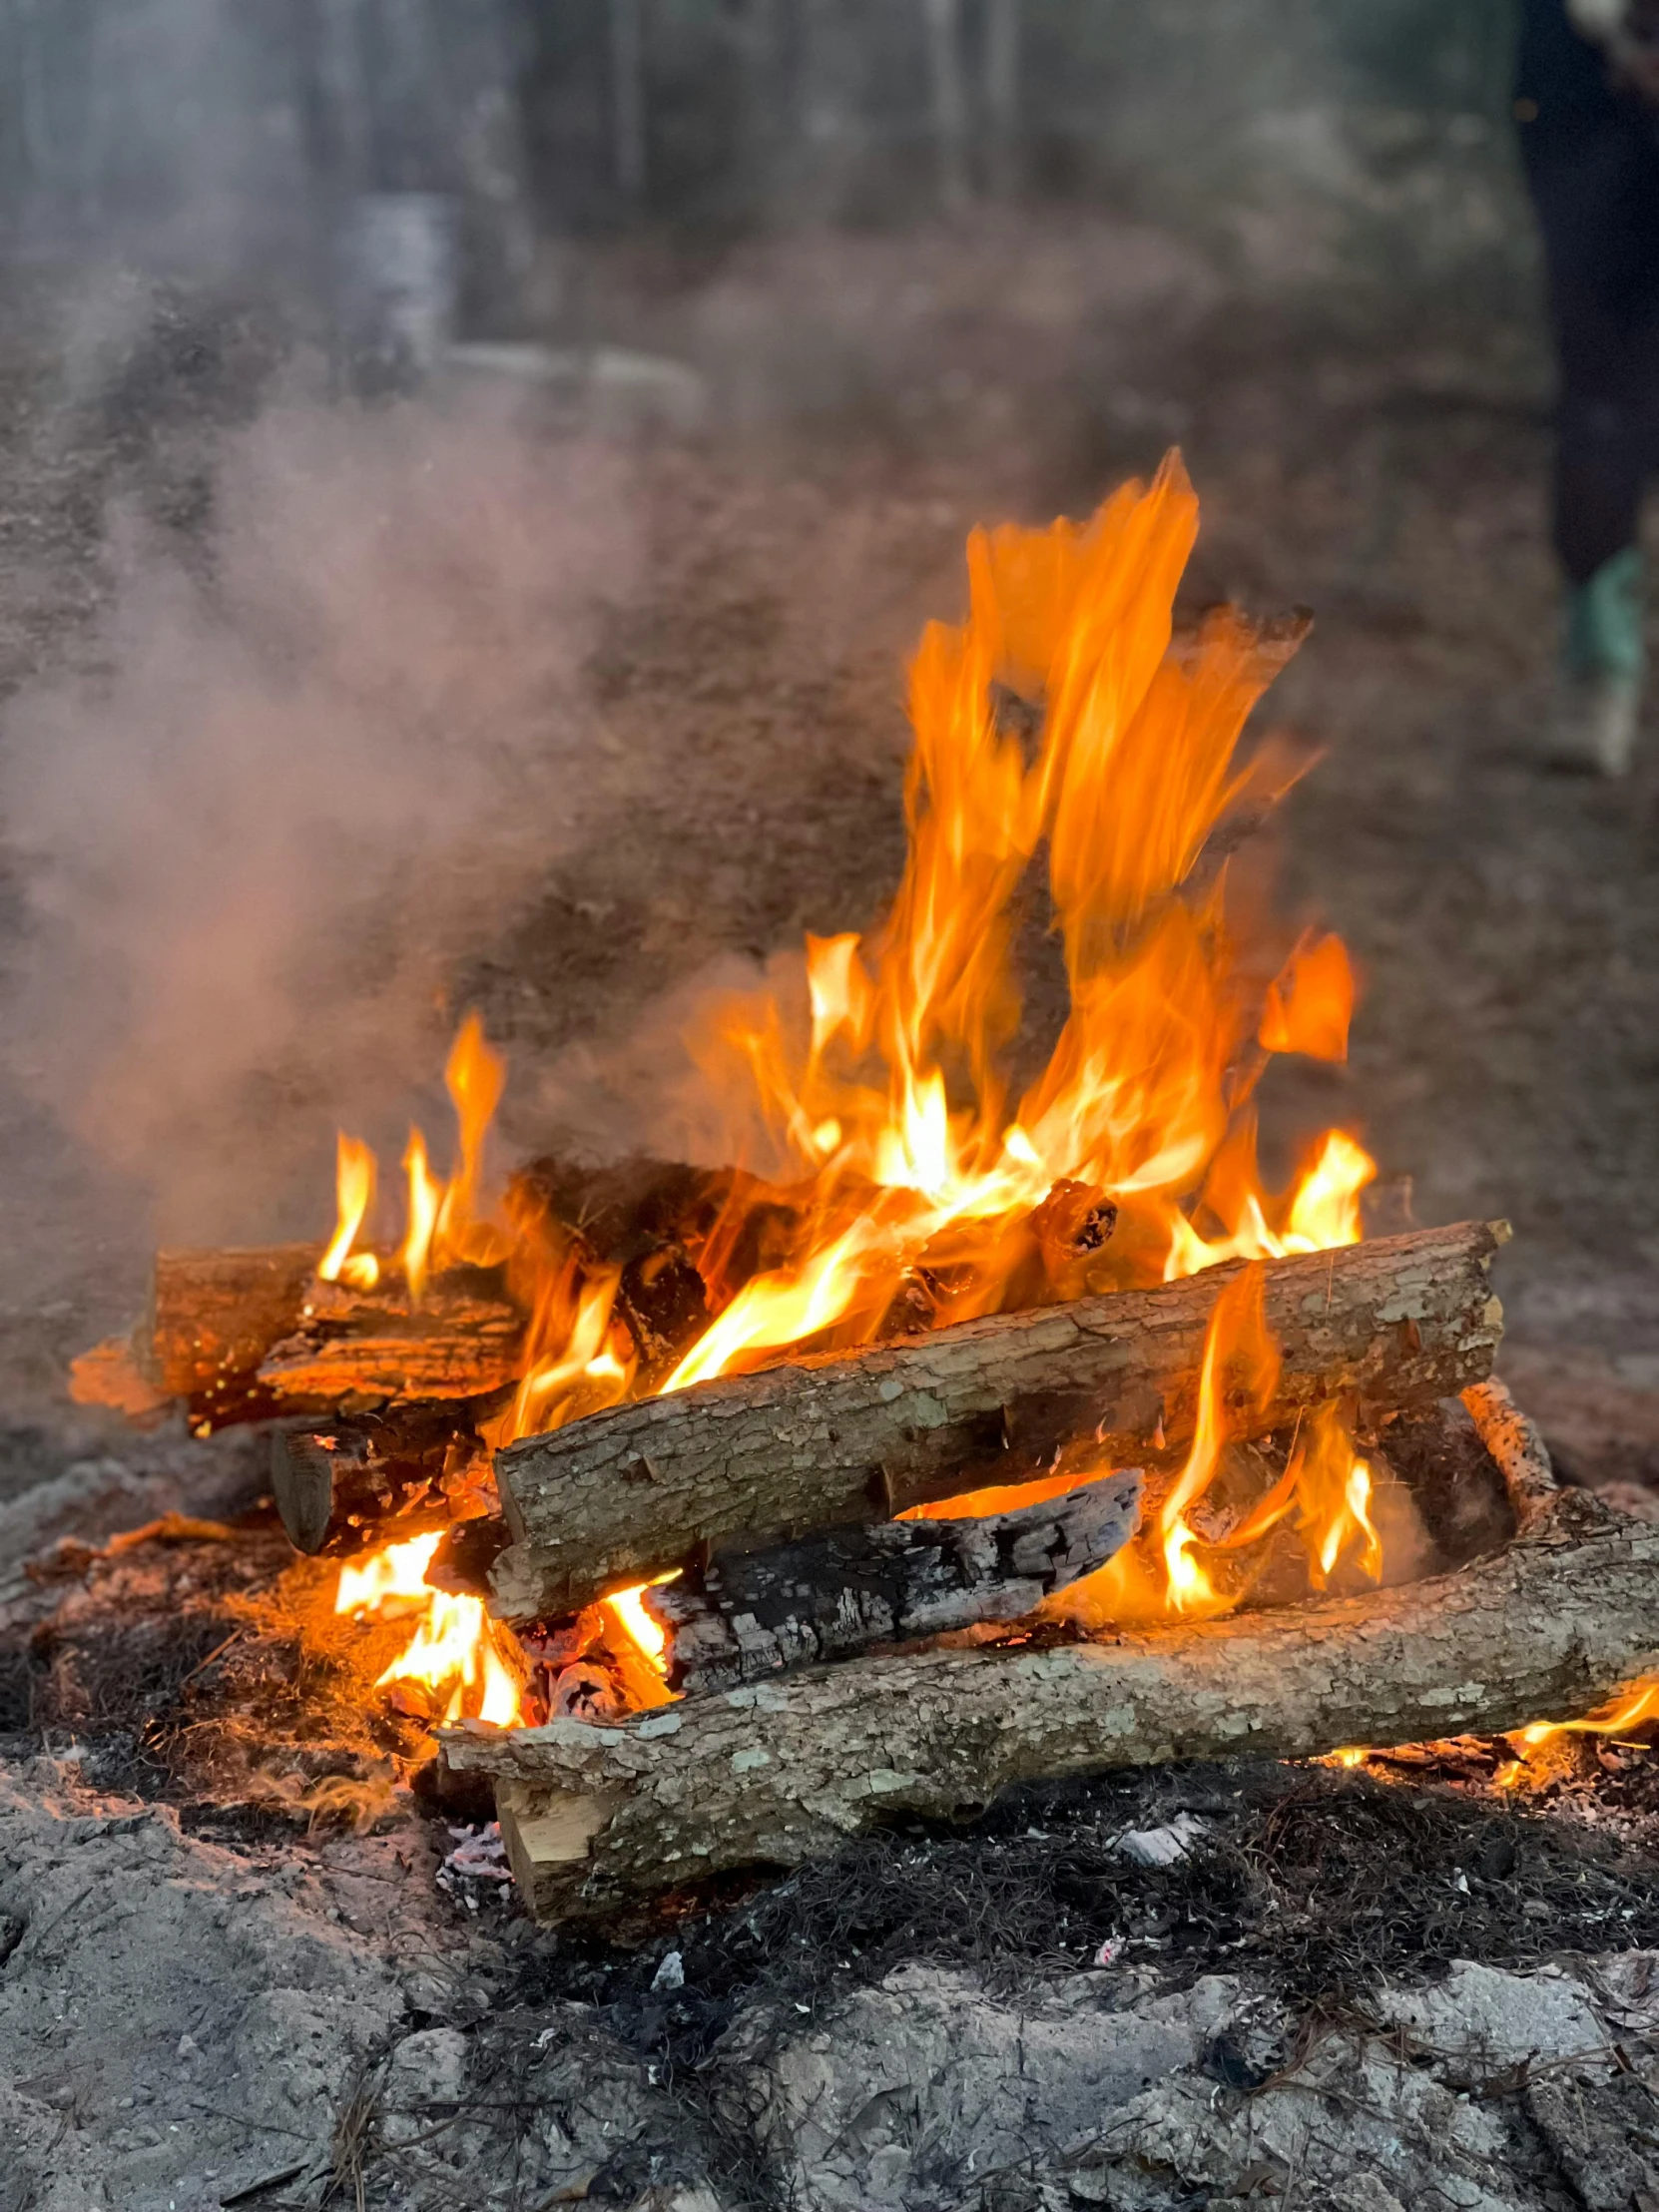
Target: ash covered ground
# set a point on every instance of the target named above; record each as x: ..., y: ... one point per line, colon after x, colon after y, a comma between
x: 1367, y: 1989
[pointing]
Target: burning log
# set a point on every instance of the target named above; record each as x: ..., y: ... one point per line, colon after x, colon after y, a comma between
x: 749, y: 1612
x: 369, y: 1346
x: 335, y: 1483
x: 856, y: 1437
x: 599, y: 1819
x: 240, y: 1333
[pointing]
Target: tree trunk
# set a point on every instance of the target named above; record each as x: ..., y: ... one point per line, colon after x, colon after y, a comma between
x: 854, y: 1438
x: 748, y: 1614
x: 599, y: 1819
x: 628, y: 97
x: 1002, y: 92
x: 948, y: 91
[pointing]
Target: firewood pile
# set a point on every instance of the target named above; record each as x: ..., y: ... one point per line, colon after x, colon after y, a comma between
x: 827, y: 1666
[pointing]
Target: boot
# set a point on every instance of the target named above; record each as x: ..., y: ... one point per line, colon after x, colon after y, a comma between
x: 1600, y: 694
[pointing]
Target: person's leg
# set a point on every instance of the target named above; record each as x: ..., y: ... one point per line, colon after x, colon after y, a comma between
x: 1598, y: 207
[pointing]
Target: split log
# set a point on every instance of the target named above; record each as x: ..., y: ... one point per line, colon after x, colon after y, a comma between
x: 374, y: 1347
x: 751, y: 1612
x: 598, y: 1819
x: 843, y: 1437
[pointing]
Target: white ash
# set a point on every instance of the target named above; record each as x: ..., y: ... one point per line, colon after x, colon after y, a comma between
x: 1160, y: 1846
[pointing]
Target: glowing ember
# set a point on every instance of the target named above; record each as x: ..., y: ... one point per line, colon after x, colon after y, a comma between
x: 452, y: 1655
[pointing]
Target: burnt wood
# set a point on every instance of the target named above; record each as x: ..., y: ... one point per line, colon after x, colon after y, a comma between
x: 341, y: 1484
x: 750, y: 1613
x: 858, y: 1436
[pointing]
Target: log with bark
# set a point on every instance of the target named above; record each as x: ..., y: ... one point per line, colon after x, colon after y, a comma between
x: 599, y: 1819
x: 750, y: 1612
x: 846, y: 1438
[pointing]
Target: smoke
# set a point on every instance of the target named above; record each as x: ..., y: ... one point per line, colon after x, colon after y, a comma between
x: 324, y: 752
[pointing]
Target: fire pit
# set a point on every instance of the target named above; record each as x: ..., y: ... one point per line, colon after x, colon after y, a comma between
x: 971, y: 1430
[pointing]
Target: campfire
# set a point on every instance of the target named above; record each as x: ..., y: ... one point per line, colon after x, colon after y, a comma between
x: 980, y: 1419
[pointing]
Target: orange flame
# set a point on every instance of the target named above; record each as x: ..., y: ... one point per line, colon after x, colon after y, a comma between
x: 895, y: 1102
x: 452, y: 1654
x: 354, y: 1194
x: 1311, y: 1005
x: 1640, y: 1704
x: 1326, y: 1487
x: 890, y: 1107
x: 1238, y: 1338
x: 475, y: 1078
x: 628, y: 1612
x: 425, y: 1203
x: 576, y: 1359
x: 447, y: 1222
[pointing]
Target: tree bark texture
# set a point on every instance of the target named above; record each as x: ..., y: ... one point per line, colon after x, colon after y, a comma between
x: 845, y: 1437
x: 751, y: 1613
x: 598, y: 1819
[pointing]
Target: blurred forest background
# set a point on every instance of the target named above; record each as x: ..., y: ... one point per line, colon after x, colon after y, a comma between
x: 216, y: 136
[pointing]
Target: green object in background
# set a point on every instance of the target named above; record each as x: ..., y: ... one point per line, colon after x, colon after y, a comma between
x: 1604, y: 623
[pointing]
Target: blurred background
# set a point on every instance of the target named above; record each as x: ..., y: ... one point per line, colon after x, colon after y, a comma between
x: 710, y: 327
x: 213, y: 136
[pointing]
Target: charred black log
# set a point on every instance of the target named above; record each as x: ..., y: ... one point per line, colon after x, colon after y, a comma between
x: 751, y: 1612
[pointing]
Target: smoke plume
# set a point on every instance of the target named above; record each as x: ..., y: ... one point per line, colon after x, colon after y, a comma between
x: 319, y: 755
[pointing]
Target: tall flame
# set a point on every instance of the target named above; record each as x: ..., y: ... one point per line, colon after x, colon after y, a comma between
x: 474, y: 1077
x: 895, y: 1105
x: 353, y: 1194
x: 426, y: 1205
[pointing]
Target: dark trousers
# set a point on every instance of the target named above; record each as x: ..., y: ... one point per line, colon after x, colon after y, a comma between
x: 1593, y: 170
